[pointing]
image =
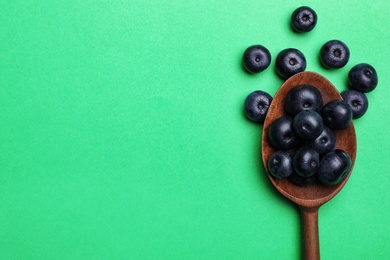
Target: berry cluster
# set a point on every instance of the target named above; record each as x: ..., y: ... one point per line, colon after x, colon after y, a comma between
x: 308, y: 128
x: 304, y: 138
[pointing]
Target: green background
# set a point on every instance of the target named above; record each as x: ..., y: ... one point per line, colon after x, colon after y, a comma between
x: 122, y: 133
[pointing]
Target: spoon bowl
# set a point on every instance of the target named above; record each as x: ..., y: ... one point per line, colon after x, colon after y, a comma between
x: 309, y: 198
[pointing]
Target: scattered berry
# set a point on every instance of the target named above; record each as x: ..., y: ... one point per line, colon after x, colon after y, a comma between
x: 256, y: 58
x: 303, y: 19
x: 290, y: 62
x: 357, y: 101
x: 334, y: 54
x: 363, y: 77
x: 256, y: 105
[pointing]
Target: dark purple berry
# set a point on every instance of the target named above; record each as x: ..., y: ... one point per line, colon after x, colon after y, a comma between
x: 334, y: 166
x: 334, y: 54
x: 325, y: 142
x: 256, y: 105
x: 363, y: 77
x: 303, y: 97
x: 290, y: 62
x: 280, y: 164
x: 303, y: 19
x: 308, y: 124
x: 256, y: 58
x: 357, y: 101
x: 306, y: 162
x: 281, y: 133
x: 337, y: 114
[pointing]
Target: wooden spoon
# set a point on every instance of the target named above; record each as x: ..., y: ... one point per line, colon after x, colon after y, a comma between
x: 309, y: 198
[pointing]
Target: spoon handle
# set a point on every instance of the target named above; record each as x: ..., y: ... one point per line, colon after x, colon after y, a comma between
x: 311, y: 246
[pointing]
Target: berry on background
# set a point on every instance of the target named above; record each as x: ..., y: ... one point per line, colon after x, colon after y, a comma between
x: 290, y: 62
x: 363, y: 77
x: 334, y: 54
x: 256, y: 58
x: 357, y: 101
x: 256, y: 105
x: 303, y: 19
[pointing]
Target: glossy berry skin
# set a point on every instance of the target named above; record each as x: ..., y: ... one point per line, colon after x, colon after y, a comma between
x: 357, y: 101
x: 302, y: 181
x: 256, y: 105
x: 325, y: 142
x: 303, y: 97
x: 256, y: 58
x: 303, y: 19
x: 281, y: 133
x: 290, y: 62
x: 280, y: 164
x: 334, y: 54
x: 306, y: 162
x: 337, y: 114
x: 308, y: 124
x: 334, y: 166
x: 363, y: 77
